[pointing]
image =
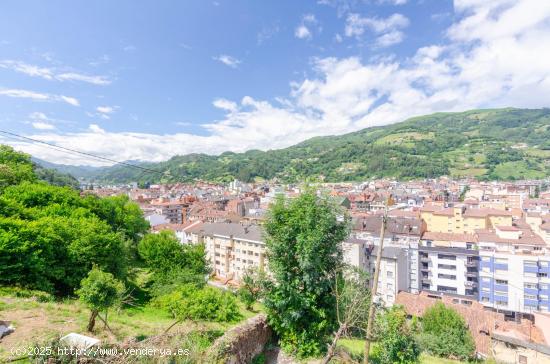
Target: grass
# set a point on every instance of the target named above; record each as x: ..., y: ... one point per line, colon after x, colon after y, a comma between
x: 356, y: 348
x: 39, y: 322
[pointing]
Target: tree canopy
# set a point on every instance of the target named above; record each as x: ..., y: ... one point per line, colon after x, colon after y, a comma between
x: 51, y: 237
x: 303, y: 241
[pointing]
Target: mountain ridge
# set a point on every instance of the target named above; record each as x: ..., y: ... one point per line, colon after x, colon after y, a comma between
x: 506, y: 143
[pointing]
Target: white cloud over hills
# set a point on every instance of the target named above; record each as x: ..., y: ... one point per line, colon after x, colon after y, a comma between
x: 496, y: 55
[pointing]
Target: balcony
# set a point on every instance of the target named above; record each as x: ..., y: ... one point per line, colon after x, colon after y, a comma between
x: 471, y: 263
x: 470, y: 284
x: 424, y: 258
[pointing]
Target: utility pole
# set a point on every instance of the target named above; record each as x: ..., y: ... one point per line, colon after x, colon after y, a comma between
x: 375, y: 284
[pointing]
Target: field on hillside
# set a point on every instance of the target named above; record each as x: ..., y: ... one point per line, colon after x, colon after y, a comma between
x: 38, y: 323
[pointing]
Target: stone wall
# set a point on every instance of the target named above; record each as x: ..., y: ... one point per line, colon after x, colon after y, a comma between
x: 242, y: 343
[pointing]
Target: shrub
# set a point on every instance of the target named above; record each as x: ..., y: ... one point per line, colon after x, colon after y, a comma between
x: 445, y: 334
x: 207, y: 303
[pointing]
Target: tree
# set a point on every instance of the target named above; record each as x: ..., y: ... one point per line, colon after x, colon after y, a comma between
x: 171, y: 262
x: 99, y: 291
x: 352, y: 306
x: 303, y: 240
x: 396, y: 344
x: 251, y: 286
x: 188, y: 302
x: 15, y: 167
x: 444, y: 333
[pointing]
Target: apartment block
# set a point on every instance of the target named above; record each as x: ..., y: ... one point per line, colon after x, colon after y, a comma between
x: 231, y: 248
x: 514, y: 270
x: 460, y: 219
x: 448, y: 264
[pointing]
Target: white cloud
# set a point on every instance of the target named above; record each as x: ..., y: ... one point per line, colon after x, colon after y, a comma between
x: 302, y: 32
x: 304, y: 29
x: 51, y: 73
x: 393, y: 2
x: 356, y: 25
x: 228, y: 60
x: 105, y: 109
x: 69, y: 100
x: 95, y: 80
x: 225, y: 104
x: 38, y: 96
x: 27, y: 69
x: 496, y: 56
x: 40, y: 125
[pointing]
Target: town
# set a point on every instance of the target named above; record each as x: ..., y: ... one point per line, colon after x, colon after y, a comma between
x: 482, y: 247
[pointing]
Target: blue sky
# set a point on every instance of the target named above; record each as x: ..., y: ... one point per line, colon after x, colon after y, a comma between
x: 149, y: 79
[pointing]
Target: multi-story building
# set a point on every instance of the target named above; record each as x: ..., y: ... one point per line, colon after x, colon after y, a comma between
x: 399, y: 264
x: 231, y: 248
x: 448, y: 264
x: 175, y: 211
x: 514, y: 270
x: 459, y: 219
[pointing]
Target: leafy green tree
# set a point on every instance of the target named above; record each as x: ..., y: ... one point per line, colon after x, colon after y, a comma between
x: 251, y: 286
x: 303, y: 239
x: 445, y: 333
x: 99, y: 291
x: 396, y: 344
x: 15, y: 167
x: 188, y: 302
x: 171, y: 262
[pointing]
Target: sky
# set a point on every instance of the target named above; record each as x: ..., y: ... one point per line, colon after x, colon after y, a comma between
x: 147, y: 80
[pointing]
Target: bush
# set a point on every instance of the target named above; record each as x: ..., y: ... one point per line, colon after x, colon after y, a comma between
x: 445, y: 334
x: 396, y: 343
x: 207, y: 303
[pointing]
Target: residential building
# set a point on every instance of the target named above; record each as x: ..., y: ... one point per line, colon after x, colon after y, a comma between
x: 514, y: 270
x: 449, y: 264
x: 231, y: 248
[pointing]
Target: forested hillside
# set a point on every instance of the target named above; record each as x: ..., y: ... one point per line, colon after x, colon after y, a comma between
x: 487, y: 144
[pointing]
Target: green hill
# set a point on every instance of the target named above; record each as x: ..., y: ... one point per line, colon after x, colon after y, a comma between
x: 487, y: 144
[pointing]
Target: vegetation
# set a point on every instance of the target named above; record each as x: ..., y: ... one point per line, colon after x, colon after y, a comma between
x: 171, y: 263
x: 60, y: 234
x: 396, y: 343
x: 251, y: 287
x: 486, y: 144
x: 303, y: 237
x: 445, y: 334
x: 191, y: 303
x: 100, y: 291
x: 352, y: 296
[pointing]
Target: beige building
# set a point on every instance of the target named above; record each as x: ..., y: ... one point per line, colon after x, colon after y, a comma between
x: 231, y: 248
x: 459, y: 219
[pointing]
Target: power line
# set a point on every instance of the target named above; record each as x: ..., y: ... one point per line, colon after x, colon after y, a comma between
x: 73, y: 151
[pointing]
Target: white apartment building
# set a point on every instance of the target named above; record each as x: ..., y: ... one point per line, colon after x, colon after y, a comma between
x: 449, y: 264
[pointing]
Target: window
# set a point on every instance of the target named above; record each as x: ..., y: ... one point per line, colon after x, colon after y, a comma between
x: 446, y: 276
x: 501, y: 293
x: 502, y: 303
x: 484, y: 299
x: 486, y: 259
x: 542, y: 275
x: 446, y: 266
x: 501, y: 260
x: 446, y: 256
x: 389, y: 274
x: 530, y: 297
x: 500, y: 281
x: 486, y: 279
x: 530, y: 285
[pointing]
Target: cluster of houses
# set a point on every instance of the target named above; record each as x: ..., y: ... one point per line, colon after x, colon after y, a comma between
x: 479, y: 245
